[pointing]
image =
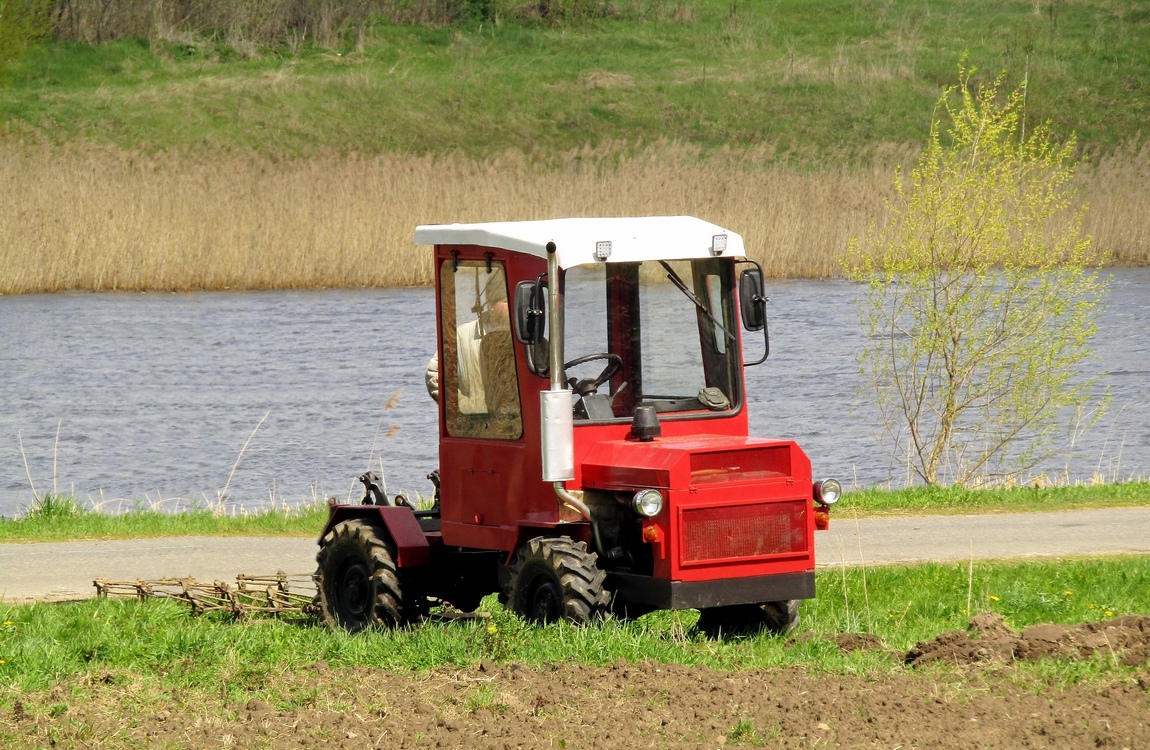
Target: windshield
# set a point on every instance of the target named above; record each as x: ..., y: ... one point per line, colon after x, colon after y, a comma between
x: 658, y: 333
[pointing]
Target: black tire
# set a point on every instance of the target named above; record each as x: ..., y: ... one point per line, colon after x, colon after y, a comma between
x: 749, y: 619
x: 557, y: 578
x: 357, y: 579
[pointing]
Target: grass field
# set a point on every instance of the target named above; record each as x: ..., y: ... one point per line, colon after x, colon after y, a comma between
x: 162, y: 644
x: 712, y: 73
x: 161, y: 165
x: 63, y: 519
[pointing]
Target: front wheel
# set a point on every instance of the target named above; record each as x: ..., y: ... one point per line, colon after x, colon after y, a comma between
x: 747, y: 619
x: 357, y: 578
x: 557, y: 579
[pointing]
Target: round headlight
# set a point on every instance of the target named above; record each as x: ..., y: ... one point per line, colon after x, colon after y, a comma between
x: 828, y: 491
x: 647, y: 503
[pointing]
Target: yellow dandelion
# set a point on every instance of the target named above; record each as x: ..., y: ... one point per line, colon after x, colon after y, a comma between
x: 492, y: 629
x: 992, y: 597
x: 7, y: 623
x: 1108, y: 613
x: 1068, y: 593
x: 1090, y: 606
x: 3, y: 662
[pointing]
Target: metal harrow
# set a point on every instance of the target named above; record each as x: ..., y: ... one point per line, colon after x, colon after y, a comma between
x: 278, y: 594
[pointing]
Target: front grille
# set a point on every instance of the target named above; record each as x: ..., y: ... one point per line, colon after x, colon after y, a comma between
x: 744, y: 531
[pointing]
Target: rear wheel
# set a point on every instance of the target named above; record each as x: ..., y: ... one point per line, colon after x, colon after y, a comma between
x: 557, y: 579
x: 747, y: 619
x: 357, y: 578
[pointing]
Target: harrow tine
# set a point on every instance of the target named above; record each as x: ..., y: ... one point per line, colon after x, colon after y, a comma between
x: 278, y: 594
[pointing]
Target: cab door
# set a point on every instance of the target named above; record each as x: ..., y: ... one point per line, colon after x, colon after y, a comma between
x: 490, y: 481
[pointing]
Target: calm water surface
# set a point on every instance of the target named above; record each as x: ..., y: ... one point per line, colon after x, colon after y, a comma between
x: 156, y: 394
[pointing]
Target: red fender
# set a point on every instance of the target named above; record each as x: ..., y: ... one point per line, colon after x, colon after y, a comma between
x: 400, y: 523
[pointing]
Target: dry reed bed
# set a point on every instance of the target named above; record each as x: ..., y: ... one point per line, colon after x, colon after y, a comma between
x: 98, y: 219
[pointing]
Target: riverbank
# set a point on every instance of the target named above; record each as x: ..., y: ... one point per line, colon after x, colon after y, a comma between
x: 93, y: 218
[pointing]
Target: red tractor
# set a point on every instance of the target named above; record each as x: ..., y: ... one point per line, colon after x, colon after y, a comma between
x: 594, y: 454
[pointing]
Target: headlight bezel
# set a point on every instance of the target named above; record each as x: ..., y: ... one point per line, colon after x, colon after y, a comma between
x: 647, y: 503
x: 828, y: 491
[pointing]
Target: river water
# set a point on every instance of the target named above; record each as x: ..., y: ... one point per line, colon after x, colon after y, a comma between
x: 154, y: 396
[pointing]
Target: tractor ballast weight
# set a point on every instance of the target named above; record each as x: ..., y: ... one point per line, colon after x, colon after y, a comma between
x: 594, y: 453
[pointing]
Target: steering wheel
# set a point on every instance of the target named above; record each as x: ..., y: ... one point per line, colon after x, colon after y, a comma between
x: 587, y: 386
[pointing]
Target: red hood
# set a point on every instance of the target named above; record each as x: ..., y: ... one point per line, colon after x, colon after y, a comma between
x: 682, y: 462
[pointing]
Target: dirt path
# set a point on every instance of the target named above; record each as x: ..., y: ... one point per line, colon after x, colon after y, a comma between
x: 64, y: 570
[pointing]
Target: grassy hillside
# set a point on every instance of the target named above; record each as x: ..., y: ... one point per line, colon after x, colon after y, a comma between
x: 839, y: 77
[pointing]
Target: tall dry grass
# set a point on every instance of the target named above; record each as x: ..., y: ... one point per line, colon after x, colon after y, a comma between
x: 1116, y: 188
x: 99, y: 219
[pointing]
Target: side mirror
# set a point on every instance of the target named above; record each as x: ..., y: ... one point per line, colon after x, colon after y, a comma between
x: 753, y: 308
x: 527, y: 313
x: 752, y: 302
x: 531, y: 324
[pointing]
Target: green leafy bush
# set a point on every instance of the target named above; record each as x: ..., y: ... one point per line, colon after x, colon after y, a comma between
x: 981, y: 302
x: 22, y: 22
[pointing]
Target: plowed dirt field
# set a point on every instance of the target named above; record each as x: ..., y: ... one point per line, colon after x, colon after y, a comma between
x: 980, y: 698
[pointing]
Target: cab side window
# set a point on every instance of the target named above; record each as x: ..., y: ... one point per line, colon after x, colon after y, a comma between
x: 481, y: 388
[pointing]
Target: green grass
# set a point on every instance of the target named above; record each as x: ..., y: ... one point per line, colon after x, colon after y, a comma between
x: 956, y: 500
x: 161, y: 642
x: 304, y: 521
x: 832, y: 83
x: 61, y: 518
x: 54, y: 507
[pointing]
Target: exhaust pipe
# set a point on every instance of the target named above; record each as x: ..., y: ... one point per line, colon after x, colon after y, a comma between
x: 556, y: 417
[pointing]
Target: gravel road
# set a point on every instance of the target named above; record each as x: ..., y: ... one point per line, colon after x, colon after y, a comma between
x: 58, y: 571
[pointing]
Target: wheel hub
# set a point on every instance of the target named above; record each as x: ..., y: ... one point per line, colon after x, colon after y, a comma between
x: 355, y: 591
x: 546, y: 601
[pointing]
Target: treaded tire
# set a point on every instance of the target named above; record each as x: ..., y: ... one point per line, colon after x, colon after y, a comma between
x: 748, y: 619
x: 357, y: 579
x: 555, y: 578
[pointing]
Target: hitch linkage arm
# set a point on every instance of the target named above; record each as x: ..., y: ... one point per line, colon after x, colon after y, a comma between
x: 373, y: 493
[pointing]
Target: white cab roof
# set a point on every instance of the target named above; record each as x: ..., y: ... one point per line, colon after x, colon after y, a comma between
x: 632, y: 239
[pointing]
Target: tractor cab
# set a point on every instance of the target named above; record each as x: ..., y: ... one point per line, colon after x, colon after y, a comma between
x: 594, y: 450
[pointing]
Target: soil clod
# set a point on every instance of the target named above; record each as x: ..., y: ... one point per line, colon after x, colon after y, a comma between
x: 990, y: 638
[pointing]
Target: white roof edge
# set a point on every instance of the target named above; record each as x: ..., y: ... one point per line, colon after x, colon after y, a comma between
x: 632, y: 239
